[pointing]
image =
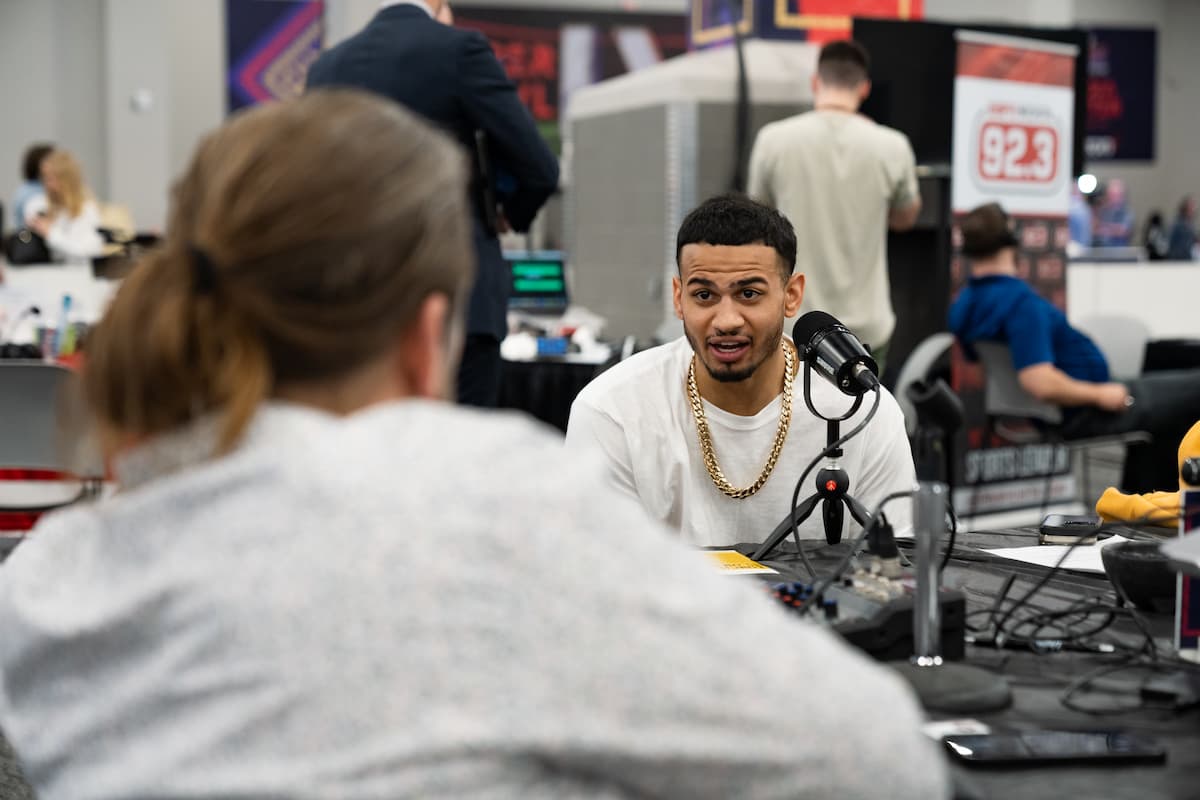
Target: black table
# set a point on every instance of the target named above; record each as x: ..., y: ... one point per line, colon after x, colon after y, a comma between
x: 1038, y: 682
x: 545, y: 388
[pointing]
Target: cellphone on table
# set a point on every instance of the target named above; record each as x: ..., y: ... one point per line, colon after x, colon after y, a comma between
x: 1031, y: 748
x: 1068, y: 529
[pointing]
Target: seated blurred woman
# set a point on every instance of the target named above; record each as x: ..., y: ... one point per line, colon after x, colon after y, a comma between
x: 31, y: 180
x: 317, y: 580
x: 66, y: 216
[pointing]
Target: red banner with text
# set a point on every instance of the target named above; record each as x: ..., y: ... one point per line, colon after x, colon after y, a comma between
x: 1013, y: 117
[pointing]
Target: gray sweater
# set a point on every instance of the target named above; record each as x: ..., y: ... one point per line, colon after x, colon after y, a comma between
x: 417, y: 601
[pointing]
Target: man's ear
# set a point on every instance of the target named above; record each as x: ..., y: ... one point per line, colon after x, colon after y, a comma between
x: 677, y: 295
x: 793, y: 294
x: 864, y: 91
x: 425, y: 359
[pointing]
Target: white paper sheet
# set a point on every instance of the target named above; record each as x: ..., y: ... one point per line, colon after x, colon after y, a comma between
x: 1084, y: 558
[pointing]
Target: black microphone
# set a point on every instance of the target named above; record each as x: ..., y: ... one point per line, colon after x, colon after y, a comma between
x: 832, y: 350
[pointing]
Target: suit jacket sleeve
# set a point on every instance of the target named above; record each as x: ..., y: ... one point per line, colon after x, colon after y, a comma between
x: 491, y: 104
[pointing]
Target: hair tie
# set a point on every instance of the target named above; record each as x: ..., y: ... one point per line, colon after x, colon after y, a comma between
x: 204, y: 272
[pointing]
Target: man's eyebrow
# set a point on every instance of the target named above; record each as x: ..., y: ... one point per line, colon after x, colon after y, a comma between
x: 752, y: 281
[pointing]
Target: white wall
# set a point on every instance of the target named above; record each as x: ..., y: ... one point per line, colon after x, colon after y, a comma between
x: 136, y: 69
x: 196, y: 79
x: 51, y: 86
x: 1012, y: 12
x: 80, y: 95
x: 165, y: 80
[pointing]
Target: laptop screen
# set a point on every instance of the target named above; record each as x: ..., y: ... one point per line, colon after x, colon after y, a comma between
x: 539, y: 281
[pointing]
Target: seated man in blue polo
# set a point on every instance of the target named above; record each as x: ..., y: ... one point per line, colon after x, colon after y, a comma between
x: 1058, y: 364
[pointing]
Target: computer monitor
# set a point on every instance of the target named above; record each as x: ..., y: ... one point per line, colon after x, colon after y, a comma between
x: 539, y: 282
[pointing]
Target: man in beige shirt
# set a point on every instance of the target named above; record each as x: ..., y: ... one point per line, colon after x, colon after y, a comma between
x: 842, y: 180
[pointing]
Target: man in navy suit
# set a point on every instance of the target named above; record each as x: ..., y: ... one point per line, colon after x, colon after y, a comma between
x: 451, y: 77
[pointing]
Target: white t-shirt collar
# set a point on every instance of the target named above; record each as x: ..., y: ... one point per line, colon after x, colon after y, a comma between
x: 418, y: 3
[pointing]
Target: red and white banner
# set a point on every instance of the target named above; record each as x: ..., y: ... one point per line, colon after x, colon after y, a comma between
x: 1014, y: 109
x: 1014, y: 112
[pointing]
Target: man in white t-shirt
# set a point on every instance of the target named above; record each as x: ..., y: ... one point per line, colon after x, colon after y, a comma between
x: 843, y: 181
x: 736, y: 284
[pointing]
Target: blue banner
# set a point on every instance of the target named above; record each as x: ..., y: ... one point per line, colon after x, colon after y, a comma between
x: 1121, y: 90
x: 270, y: 46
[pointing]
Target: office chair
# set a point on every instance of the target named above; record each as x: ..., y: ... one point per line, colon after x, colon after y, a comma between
x: 923, y: 396
x: 1122, y: 339
x: 1018, y: 417
x: 920, y: 365
x: 43, y: 437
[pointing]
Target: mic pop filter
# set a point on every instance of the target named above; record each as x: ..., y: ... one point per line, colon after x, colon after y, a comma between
x: 832, y: 350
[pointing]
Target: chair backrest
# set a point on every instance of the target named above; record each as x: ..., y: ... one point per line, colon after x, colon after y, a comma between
x: 1122, y: 339
x: 1003, y: 393
x: 917, y: 367
x: 41, y: 421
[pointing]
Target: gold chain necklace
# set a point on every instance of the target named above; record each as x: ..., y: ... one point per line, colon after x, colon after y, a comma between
x: 706, y: 445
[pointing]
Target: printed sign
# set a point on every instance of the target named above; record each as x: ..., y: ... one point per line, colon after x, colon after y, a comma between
x: 549, y: 53
x: 1013, y: 116
x: 731, y: 562
x: 1013, y: 121
x: 810, y: 20
x: 1121, y: 89
x: 270, y: 44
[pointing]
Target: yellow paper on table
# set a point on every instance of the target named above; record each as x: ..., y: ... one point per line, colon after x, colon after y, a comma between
x: 731, y: 562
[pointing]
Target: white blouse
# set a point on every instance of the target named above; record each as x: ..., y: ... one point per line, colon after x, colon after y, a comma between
x: 69, y: 237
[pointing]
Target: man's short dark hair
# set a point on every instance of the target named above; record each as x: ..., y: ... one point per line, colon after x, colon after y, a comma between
x: 986, y: 230
x: 843, y: 64
x: 735, y: 220
x: 31, y: 165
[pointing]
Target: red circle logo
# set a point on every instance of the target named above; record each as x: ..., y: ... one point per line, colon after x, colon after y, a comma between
x: 830, y: 485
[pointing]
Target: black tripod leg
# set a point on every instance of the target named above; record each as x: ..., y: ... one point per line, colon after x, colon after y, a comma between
x: 784, y: 529
x: 835, y: 516
x: 858, y: 511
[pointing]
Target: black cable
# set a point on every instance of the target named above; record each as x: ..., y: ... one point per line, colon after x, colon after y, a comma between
x: 812, y: 573
x: 953, y: 533
x: 1069, y: 635
x: 1004, y: 590
x: 1067, y: 698
x: 877, y: 518
x: 1151, y: 648
x: 825, y: 454
x: 1148, y: 518
x: 741, y: 117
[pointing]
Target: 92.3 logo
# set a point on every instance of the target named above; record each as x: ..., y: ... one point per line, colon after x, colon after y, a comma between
x: 1016, y: 152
